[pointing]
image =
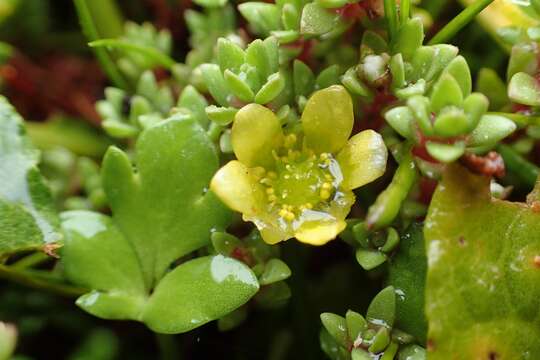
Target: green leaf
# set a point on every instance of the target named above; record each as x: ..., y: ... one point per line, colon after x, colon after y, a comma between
x: 446, y: 92
x: 524, y: 89
x: 165, y: 209
x: 491, y: 85
x: 356, y: 324
x: 482, y: 294
x: 400, y: 119
x: 8, y: 340
x: 317, y: 20
x: 263, y: 17
x: 238, y: 86
x: 445, y: 153
x: 407, y: 274
x: 275, y: 270
x: 370, y: 259
x: 96, y: 255
x: 271, y: 89
x: 382, y: 310
x: 229, y: 55
x: 337, y: 327
x: 221, y: 115
x: 197, y: 292
x: 28, y: 219
x: 490, y: 130
x: 214, y: 81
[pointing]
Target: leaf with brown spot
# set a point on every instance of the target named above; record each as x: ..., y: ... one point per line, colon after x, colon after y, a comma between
x: 483, y: 284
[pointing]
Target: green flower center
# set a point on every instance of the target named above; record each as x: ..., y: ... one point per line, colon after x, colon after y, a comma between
x: 301, y: 181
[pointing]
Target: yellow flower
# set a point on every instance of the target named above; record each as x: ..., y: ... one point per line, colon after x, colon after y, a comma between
x: 300, y: 184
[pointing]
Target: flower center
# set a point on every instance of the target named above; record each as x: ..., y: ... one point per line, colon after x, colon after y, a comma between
x: 301, y: 181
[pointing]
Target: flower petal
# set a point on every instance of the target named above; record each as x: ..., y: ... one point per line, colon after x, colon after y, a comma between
x: 236, y: 186
x: 256, y: 131
x: 363, y: 159
x: 319, y: 232
x: 328, y: 119
x: 273, y: 234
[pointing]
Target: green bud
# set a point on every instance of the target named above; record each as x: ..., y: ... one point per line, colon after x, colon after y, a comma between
x: 215, y: 83
x: 221, y: 115
x: 382, y: 310
x: 356, y: 324
x: 370, y: 259
x: 451, y: 121
x: 380, y: 341
x: 400, y: 119
x: 491, y: 129
x: 316, y: 20
x: 238, y: 86
x: 337, y: 327
x: 524, y: 89
x: 275, y: 270
x: 409, y: 38
x: 229, y: 55
x: 224, y: 243
x: 446, y: 92
x: 445, y: 153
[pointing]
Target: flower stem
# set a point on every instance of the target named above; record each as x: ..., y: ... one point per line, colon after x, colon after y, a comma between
x: 26, y: 279
x: 466, y: 16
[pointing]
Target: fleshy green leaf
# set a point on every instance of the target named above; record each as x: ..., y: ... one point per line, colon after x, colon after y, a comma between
x: 409, y: 38
x: 275, y: 270
x: 382, y: 310
x: 317, y: 20
x: 336, y: 326
x: 197, y: 292
x: 445, y: 152
x: 524, y: 89
x: 482, y: 294
x: 490, y: 129
x: 27, y: 216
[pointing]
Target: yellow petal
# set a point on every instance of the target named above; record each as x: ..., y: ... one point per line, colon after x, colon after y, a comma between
x: 273, y: 234
x: 236, y: 186
x: 256, y: 131
x: 328, y: 119
x: 318, y: 232
x: 363, y: 159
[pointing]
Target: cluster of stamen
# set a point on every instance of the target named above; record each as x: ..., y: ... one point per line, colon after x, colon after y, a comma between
x: 300, y: 181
